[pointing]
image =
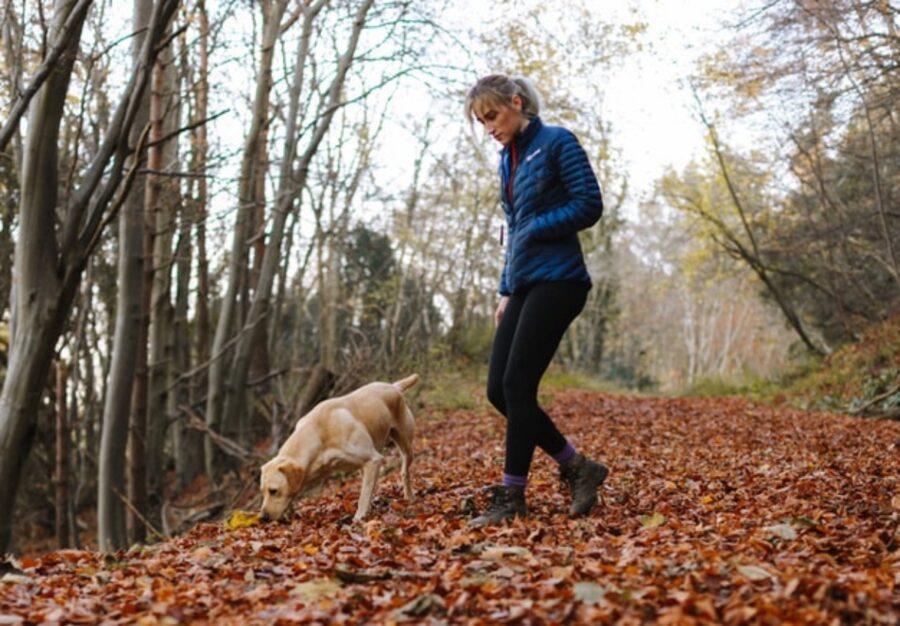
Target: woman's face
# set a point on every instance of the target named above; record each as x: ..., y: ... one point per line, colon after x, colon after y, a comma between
x: 501, y: 121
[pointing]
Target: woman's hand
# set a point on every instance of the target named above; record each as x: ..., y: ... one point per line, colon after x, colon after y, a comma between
x: 501, y: 308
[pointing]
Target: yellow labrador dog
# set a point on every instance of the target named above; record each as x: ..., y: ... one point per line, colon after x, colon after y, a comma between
x: 341, y: 434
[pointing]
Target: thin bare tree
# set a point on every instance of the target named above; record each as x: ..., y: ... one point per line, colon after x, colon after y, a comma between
x: 272, y: 27
x: 50, y: 257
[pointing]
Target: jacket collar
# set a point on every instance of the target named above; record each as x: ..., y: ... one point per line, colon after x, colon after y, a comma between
x: 523, y: 138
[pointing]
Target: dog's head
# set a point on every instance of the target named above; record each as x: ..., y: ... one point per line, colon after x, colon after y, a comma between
x: 279, y: 481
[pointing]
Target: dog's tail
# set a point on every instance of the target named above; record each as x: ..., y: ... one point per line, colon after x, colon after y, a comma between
x: 407, y: 382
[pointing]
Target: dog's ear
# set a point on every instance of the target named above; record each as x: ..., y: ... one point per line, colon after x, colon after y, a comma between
x: 294, y: 475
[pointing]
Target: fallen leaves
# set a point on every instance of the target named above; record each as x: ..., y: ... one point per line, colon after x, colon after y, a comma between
x: 715, y: 512
x: 313, y: 590
x: 589, y: 593
x: 784, y: 531
x: 754, y: 572
x: 241, y: 519
x: 653, y: 521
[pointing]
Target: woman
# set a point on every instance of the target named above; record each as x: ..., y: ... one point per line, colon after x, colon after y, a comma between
x: 548, y: 192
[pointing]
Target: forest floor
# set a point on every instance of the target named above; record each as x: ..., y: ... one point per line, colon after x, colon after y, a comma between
x: 716, y: 510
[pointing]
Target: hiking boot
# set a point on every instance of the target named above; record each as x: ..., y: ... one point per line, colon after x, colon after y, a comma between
x: 583, y: 477
x: 506, y: 503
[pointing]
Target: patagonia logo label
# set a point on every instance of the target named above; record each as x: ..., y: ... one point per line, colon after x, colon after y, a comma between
x: 532, y: 155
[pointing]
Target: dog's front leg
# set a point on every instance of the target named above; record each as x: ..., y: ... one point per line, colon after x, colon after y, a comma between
x: 370, y: 471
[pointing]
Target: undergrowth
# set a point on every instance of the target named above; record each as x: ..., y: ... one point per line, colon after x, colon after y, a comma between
x: 861, y: 378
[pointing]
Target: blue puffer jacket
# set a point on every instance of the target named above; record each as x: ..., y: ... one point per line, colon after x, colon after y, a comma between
x: 554, y: 195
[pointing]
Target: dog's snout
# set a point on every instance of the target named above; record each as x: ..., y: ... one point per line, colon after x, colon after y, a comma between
x: 265, y: 517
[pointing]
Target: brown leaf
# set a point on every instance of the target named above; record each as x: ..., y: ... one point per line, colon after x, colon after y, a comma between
x: 754, y: 572
x: 421, y: 606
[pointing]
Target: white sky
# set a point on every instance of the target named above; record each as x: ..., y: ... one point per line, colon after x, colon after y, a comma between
x: 646, y: 101
x: 649, y: 107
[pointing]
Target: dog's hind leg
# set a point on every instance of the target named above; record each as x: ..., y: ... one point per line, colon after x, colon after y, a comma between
x: 370, y: 472
x: 403, y: 437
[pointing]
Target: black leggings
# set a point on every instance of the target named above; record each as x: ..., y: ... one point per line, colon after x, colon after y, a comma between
x: 526, y: 340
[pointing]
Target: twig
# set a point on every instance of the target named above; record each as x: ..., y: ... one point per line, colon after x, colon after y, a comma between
x: 240, y: 495
x: 225, y: 444
x: 138, y: 515
x: 875, y: 400
x: 208, y: 362
x: 169, y: 174
x: 70, y: 28
x: 185, y: 128
x: 267, y: 377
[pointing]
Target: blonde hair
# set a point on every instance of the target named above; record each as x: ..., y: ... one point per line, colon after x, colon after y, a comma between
x: 499, y: 89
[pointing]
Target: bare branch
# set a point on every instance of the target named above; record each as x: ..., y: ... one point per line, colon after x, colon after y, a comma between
x: 70, y: 30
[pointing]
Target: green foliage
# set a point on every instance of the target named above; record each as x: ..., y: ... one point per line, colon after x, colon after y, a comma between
x: 558, y: 378
x: 457, y: 386
x: 475, y: 340
x: 712, y: 386
x: 862, y: 377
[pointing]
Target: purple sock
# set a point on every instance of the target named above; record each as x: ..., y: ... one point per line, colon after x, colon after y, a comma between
x: 514, y: 481
x: 565, y: 454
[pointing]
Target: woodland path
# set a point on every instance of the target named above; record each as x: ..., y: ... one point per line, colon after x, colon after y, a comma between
x: 715, y: 511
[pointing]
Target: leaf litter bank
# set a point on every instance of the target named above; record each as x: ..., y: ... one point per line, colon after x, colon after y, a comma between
x: 715, y: 511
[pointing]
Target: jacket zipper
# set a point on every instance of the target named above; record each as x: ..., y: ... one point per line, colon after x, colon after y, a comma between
x: 513, y: 164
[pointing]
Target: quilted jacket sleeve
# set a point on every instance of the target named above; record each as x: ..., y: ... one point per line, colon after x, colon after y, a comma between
x: 584, y: 204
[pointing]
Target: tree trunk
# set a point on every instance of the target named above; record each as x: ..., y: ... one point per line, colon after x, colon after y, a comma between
x: 40, y: 300
x: 138, y: 443
x: 128, y: 339
x: 186, y: 441
x: 61, y: 478
x: 127, y: 352
x: 320, y: 382
x: 167, y: 196
x: 48, y: 270
x: 329, y: 291
x: 11, y: 33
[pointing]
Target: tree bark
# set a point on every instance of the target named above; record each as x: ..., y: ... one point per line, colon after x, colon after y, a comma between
x: 187, y: 441
x: 141, y: 460
x: 162, y: 204
x: 61, y: 478
x: 129, y: 351
x: 128, y: 331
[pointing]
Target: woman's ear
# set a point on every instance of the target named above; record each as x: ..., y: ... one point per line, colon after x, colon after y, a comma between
x: 516, y: 102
